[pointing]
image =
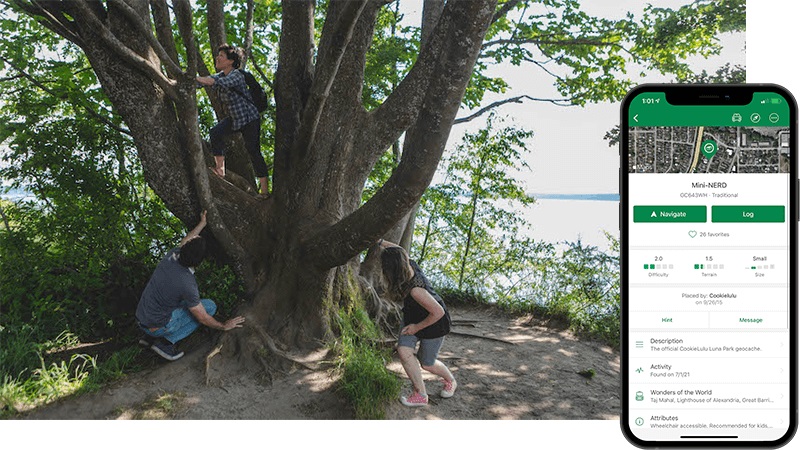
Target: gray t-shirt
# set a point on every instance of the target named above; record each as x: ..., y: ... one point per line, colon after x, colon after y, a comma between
x: 171, y: 286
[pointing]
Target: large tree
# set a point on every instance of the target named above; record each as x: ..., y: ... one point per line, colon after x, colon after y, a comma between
x: 297, y: 251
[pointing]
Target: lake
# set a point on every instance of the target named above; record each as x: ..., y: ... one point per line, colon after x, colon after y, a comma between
x: 557, y: 218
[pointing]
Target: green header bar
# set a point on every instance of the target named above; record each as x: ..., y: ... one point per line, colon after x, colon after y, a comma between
x: 650, y: 109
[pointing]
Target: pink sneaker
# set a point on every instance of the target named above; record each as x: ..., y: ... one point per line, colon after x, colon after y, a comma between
x: 415, y: 400
x: 449, y: 388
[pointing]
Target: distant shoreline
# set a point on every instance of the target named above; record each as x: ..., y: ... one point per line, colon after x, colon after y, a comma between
x: 597, y: 197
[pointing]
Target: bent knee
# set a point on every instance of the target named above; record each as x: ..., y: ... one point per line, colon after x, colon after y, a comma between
x: 405, y: 352
x: 429, y: 368
x: 209, y: 306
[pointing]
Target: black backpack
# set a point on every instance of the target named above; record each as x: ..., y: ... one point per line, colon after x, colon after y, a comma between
x: 257, y: 95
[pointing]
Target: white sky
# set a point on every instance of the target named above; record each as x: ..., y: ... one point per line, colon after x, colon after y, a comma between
x: 568, y: 152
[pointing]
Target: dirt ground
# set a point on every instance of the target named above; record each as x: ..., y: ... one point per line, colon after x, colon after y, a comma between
x: 529, y: 372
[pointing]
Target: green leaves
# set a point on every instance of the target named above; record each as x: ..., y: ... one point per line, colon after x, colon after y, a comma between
x: 472, y: 217
x: 589, y: 57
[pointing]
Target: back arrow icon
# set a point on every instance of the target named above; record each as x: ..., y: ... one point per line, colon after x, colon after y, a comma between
x: 636, y: 118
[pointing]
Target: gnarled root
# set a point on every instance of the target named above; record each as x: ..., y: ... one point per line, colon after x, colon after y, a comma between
x: 250, y: 349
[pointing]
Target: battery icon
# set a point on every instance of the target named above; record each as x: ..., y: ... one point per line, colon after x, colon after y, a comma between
x: 775, y: 101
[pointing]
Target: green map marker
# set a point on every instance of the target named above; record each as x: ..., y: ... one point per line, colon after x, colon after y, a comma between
x: 709, y: 148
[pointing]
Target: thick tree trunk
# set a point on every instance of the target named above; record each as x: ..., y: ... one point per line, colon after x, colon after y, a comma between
x: 297, y: 251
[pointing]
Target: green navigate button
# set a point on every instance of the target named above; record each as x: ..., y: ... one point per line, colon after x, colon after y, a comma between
x: 748, y: 213
x: 671, y: 214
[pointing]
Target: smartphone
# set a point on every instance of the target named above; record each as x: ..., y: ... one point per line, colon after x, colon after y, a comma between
x: 708, y: 238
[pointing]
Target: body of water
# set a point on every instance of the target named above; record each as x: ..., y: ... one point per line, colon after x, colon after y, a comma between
x: 557, y: 218
x: 14, y: 194
x: 554, y: 218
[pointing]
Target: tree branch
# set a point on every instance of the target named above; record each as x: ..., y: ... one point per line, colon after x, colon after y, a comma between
x: 397, y: 113
x: 507, y: 6
x: 292, y: 82
x: 335, y: 37
x: 135, y: 60
x: 560, y: 42
x: 517, y: 99
x: 163, y: 26
x: 92, y: 111
x: 183, y: 15
x: 248, y: 35
x: 187, y: 117
x: 215, y: 16
x: 145, y: 30
x: 465, y: 24
x: 41, y: 11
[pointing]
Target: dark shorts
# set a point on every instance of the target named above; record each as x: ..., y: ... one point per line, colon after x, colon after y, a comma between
x: 428, y: 348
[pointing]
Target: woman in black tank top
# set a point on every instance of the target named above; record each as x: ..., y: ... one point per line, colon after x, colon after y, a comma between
x: 425, y: 321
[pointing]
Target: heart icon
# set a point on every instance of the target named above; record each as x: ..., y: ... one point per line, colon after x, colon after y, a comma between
x: 692, y: 233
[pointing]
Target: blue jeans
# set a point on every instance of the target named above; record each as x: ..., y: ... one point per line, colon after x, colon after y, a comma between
x: 182, y: 323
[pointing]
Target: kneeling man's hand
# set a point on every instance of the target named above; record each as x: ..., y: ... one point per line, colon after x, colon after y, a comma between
x: 236, y: 322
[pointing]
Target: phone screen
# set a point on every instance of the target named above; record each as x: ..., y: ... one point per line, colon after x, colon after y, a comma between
x: 708, y: 219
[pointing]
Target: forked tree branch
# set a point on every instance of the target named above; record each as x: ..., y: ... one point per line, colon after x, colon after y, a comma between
x: 183, y: 15
x: 335, y: 38
x: 51, y: 16
x: 592, y: 41
x: 163, y: 26
x: 517, y: 99
x: 505, y: 9
x: 465, y: 24
x: 145, y: 30
x: 128, y: 55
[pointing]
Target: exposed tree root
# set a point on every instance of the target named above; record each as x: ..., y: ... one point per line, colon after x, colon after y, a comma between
x: 482, y: 337
x: 270, y: 343
x: 384, y: 313
x: 213, y: 353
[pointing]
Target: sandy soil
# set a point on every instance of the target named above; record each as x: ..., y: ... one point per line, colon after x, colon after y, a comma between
x: 532, y: 372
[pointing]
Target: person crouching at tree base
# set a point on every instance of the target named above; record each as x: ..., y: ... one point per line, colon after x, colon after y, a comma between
x: 170, y: 308
x: 242, y: 116
x: 425, y: 321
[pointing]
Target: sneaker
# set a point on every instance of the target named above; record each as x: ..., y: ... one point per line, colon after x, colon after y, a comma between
x: 166, y: 350
x: 415, y: 400
x: 449, y: 388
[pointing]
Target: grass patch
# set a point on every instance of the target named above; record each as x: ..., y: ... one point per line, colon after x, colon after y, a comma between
x: 81, y: 373
x: 367, y: 383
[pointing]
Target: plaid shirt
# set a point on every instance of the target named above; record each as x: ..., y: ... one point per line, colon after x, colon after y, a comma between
x: 232, y: 90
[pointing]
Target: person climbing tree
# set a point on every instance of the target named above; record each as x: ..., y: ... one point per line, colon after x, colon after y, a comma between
x: 242, y: 115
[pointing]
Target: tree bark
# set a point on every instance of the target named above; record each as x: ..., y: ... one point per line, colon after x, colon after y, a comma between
x: 297, y: 251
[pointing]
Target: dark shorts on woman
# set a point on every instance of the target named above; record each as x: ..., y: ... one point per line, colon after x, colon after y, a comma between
x: 428, y: 348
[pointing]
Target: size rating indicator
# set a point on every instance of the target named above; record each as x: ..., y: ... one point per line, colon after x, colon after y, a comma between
x: 761, y: 267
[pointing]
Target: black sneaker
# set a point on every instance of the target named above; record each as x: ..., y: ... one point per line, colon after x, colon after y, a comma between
x: 166, y: 349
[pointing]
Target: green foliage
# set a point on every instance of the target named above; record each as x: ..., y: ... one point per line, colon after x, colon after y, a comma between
x: 82, y: 373
x: 475, y: 210
x: 366, y: 382
x: 113, y: 368
x: 472, y: 249
x: 589, y: 57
